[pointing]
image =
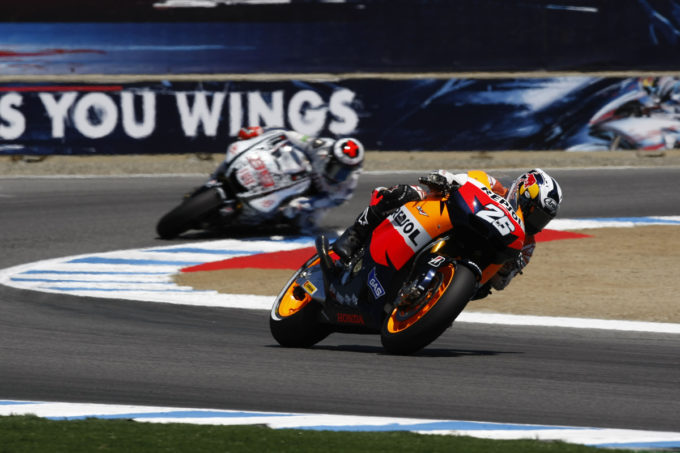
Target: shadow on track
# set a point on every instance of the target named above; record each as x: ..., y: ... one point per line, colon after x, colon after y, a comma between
x: 427, y: 352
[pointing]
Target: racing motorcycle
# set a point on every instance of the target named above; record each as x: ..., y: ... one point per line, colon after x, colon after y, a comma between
x: 636, y: 119
x: 256, y: 179
x: 410, y: 280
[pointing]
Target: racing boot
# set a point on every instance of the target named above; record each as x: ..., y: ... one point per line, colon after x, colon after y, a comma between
x: 349, y: 242
x: 383, y: 202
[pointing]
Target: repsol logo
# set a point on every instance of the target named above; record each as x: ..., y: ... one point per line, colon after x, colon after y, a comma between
x: 406, y: 226
x: 503, y: 202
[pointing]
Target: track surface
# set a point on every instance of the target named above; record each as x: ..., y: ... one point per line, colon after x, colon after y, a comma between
x: 91, y: 350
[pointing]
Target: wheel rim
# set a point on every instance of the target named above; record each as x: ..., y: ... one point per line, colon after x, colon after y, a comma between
x: 401, y: 319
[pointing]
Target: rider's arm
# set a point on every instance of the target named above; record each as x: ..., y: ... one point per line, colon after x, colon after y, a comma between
x: 489, y: 181
x: 440, y: 182
x: 319, y: 200
x: 299, y: 140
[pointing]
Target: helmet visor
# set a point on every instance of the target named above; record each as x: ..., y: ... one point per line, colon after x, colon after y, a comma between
x: 336, y: 171
x: 536, y: 219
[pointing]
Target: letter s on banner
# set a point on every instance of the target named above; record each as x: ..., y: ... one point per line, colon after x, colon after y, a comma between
x: 9, y: 114
x: 346, y: 119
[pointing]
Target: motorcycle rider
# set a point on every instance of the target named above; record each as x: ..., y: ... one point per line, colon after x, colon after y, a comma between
x: 335, y: 168
x: 535, y: 192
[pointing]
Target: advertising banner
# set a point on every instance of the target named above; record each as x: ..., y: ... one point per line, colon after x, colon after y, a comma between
x: 583, y: 112
x: 43, y: 37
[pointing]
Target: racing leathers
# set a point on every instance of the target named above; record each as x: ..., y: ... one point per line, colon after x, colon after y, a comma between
x: 329, y: 188
x: 385, y: 201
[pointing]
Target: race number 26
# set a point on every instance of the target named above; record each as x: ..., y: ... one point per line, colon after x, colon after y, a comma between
x: 497, y: 217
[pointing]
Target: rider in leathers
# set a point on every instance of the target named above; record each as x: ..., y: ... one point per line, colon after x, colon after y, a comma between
x: 536, y: 192
x: 335, y: 169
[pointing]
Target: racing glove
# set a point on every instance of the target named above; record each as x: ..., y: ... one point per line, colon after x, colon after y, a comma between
x: 440, y: 181
x: 296, y: 206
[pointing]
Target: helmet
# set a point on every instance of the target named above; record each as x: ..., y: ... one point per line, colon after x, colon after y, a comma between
x: 346, y: 156
x: 539, y: 196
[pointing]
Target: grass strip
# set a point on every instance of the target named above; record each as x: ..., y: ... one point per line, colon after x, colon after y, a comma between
x: 34, y: 434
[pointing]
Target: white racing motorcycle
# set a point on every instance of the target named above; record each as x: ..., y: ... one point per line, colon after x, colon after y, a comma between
x: 255, y: 181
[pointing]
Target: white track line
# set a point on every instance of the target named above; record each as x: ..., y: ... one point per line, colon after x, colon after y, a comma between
x: 147, y: 275
x: 598, y: 437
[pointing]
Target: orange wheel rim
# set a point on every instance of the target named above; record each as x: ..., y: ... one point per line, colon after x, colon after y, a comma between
x: 402, y: 319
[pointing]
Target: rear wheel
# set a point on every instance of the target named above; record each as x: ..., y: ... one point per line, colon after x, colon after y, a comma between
x: 410, y: 328
x: 293, y: 321
x: 189, y: 213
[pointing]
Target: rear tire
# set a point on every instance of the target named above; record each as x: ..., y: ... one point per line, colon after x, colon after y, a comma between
x: 189, y: 213
x: 405, y: 332
x: 294, y: 322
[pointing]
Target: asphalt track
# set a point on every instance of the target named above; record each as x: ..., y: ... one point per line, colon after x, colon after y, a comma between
x: 60, y: 348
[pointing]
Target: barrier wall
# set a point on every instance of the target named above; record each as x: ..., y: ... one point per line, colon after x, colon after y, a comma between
x: 576, y: 112
x: 229, y: 40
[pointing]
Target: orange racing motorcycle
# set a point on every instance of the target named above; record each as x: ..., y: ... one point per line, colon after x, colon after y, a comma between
x: 411, y: 279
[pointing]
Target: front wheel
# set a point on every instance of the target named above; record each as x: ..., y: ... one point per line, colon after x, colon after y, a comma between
x: 189, y: 213
x: 293, y: 321
x: 411, y: 328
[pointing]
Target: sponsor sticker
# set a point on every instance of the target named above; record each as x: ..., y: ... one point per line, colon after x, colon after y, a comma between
x: 374, y: 284
x: 436, y: 261
x: 414, y: 234
x: 350, y: 318
x: 309, y: 287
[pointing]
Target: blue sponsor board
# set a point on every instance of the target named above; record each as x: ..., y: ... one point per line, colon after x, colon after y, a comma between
x: 579, y: 112
x: 303, y: 36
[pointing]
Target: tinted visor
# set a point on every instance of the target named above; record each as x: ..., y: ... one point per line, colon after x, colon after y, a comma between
x: 337, y: 172
x: 535, y: 219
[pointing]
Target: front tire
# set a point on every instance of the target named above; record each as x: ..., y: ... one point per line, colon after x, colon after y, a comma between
x: 407, y: 330
x: 189, y: 213
x: 293, y: 320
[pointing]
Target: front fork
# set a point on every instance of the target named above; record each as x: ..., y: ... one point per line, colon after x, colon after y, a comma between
x: 425, y: 281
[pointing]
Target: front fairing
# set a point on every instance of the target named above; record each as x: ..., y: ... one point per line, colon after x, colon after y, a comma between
x: 486, y: 226
x: 408, y: 230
